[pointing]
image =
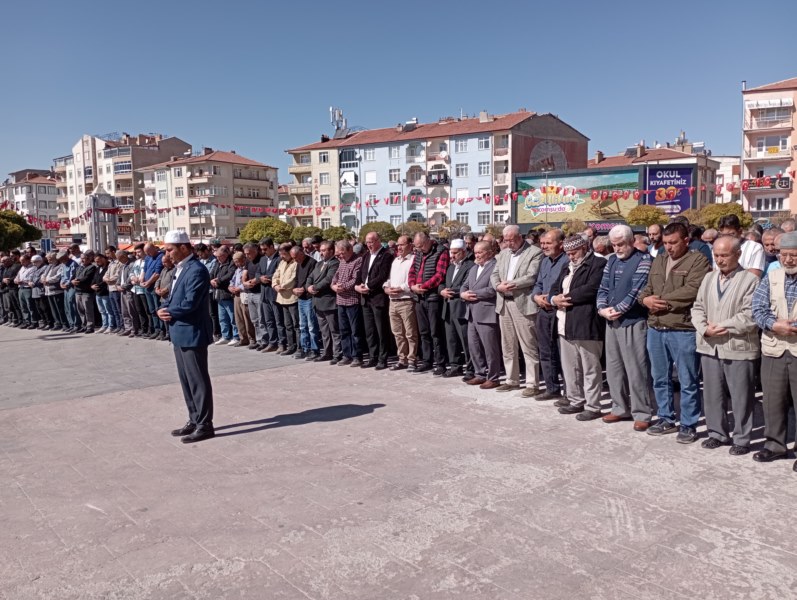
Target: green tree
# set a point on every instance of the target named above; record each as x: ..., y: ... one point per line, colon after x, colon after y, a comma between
x: 573, y: 226
x: 646, y: 215
x: 712, y: 213
x: 334, y: 234
x: 385, y: 230
x: 410, y: 228
x: 15, y: 230
x: 305, y: 231
x: 256, y: 229
x: 453, y: 229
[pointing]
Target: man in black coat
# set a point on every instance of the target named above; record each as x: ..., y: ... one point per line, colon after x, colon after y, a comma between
x: 276, y: 337
x: 319, y: 286
x: 580, y: 329
x: 454, y: 317
x: 374, y: 272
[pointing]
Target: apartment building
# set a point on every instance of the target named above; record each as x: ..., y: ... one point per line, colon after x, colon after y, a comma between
x: 103, y: 166
x: 32, y: 193
x: 727, y: 179
x: 454, y: 169
x: 769, y: 160
x: 210, y: 195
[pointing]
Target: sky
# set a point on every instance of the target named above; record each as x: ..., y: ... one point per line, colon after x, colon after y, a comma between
x: 259, y: 77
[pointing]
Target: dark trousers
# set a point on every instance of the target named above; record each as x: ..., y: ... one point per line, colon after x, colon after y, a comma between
x: 13, y: 310
x: 348, y: 320
x: 779, y: 380
x: 140, y: 305
x: 290, y: 317
x: 58, y: 310
x: 214, y: 316
x: 30, y: 314
x: 430, y: 329
x: 192, y: 369
x: 275, y: 325
x: 377, y: 329
x: 330, y: 332
x: 550, y: 363
x: 457, y: 342
x: 153, y: 304
x: 43, y: 306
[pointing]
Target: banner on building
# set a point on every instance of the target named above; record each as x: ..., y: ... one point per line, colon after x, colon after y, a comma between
x: 669, y: 188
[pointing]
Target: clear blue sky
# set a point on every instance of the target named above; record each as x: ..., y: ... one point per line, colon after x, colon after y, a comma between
x: 259, y: 77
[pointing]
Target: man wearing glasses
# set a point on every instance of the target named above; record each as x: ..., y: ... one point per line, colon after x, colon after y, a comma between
x: 401, y: 313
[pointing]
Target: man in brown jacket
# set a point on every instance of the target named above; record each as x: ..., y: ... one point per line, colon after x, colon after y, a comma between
x: 675, y: 277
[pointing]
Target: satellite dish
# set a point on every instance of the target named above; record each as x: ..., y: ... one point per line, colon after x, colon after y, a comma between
x: 443, y: 154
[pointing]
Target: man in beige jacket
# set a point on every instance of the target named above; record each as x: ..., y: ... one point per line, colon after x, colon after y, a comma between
x: 727, y: 341
x: 283, y: 282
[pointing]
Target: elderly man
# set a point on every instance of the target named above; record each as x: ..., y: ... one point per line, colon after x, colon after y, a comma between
x: 309, y: 335
x: 319, y: 286
x: 484, y: 336
x: 768, y: 241
x: 579, y: 329
x: 601, y: 246
x: 26, y: 281
x: 246, y: 329
x: 427, y: 274
x: 254, y: 297
x: 271, y: 313
x: 727, y: 340
x: 513, y: 278
x: 552, y: 243
x: 348, y: 303
x: 454, y: 317
x: 788, y: 225
x: 284, y: 283
x: 656, y: 244
x: 53, y: 292
x: 775, y: 312
x: 130, y: 321
x: 403, y: 322
x: 669, y: 294
x: 752, y: 257
x: 709, y: 236
x: 84, y: 295
x: 374, y: 272
x: 627, y: 362
x: 590, y: 235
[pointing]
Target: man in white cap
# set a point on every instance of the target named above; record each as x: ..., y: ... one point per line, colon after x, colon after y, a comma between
x: 187, y: 311
x: 454, y: 317
x: 775, y: 312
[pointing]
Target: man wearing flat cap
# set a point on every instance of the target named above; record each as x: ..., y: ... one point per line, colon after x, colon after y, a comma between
x: 454, y: 317
x: 775, y: 312
x: 187, y: 311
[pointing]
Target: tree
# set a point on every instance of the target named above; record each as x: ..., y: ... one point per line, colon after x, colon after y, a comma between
x: 694, y: 216
x: 305, y: 231
x: 573, y: 226
x: 453, y: 229
x: 15, y: 230
x: 646, y: 215
x: 256, y: 229
x: 336, y: 233
x: 496, y: 230
x: 410, y: 228
x: 712, y: 213
x: 385, y: 230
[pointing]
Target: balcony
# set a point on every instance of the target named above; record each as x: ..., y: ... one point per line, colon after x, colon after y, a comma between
x: 117, y: 152
x: 501, y: 178
x: 771, y: 153
x: 437, y: 178
x: 767, y: 123
x: 199, y: 176
x: 300, y: 168
x: 416, y: 158
x: 438, y: 156
x: 128, y: 189
x: 501, y: 151
x: 300, y: 188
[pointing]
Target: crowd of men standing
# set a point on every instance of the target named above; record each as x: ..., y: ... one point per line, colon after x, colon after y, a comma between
x: 549, y: 310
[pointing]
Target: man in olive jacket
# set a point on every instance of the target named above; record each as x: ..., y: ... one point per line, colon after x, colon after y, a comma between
x: 675, y: 277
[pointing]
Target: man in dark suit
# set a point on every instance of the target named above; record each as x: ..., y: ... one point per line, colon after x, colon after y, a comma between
x: 187, y: 312
x: 484, y: 334
x: 271, y: 313
x: 374, y: 272
x: 454, y: 317
x: 319, y: 286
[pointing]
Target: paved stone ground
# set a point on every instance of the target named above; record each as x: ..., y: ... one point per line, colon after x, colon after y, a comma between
x: 327, y: 483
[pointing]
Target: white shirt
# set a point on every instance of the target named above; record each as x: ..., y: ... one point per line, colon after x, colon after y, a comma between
x: 513, y: 261
x: 753, y: 256
x: 653, y: 251
x: 399, y: 276
x: 479, y: 270
x: 370, y: 264
x: 179, y: 269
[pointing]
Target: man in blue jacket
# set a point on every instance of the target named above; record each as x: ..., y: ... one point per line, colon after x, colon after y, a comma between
x: 187, y: 312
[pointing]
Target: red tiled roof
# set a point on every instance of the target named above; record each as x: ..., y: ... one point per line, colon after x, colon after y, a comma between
x: 651, y: 155
x: 215, y: 156
x: 38, y: 179
x: 786, y: 84
x: 423, y: 131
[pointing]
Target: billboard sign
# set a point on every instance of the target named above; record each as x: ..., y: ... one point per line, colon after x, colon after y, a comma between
x: 669, y: 187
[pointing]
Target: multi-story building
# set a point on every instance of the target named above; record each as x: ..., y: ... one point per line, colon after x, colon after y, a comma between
x: 769, y: 159
x: 211, y: 195
x: 455, y: 169
x: 32, y: 193
x: 103, y: 166
x: 728, y: 181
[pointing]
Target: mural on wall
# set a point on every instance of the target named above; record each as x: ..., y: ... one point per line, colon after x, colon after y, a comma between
x: 599, y: 196
x: 549, y: 156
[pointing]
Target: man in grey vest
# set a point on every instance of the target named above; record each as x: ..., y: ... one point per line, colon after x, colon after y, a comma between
x: 627, y: 362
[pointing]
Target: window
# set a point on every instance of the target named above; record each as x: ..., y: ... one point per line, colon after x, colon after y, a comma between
x: 501, y: 216
x: 395, y: 198
x: 108, y: 169
x: 162, y: 195
x: 80, y: 188
x: 370, y: 178
x: 461, y: 146
x: 323, y: 178
x: 395, y: 220
x: 323, y: 157
x: 324, y: 199
x: 484, y: 143
x: 462, y: 217
x: 71, y: 190
x: 371, y: 198
x: 307, y: 200
x: 393, y: 175
x: 124, y: 166
x: 179, y: 192
x: 69, y: 175
x: 484, y: 168
x: 461, y: 170
x: 160, y: 176
x: 395, y: 152
x: 326, y: 223
x: 483, y: 217
x: 41, y: 189
x: 368, y: 154
x: 371, y: 219
x: 72, y: 206
x: 178, y: 171
x: 216, y: 170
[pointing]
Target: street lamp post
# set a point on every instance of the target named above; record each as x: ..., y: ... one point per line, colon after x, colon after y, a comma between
x: 546, y: 170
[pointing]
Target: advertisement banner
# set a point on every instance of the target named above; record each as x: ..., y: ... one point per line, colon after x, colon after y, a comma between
x: 589, y: 197
x: 669, y: 188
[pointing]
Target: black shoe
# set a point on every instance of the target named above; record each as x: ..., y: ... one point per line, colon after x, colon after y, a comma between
x: 767, y: 455
x: 184, y: 430
x: 562, y: 402
x: 253, y: 346
x: 398, y: 367
x: 345, y: 362
x: 356, y: 363
x: 546, y: 395
x: 794, y: 466
x: 452, y: 372
x: 589, y: 415
x: 369, y: 365
x: 198, y: 435
x: 662, y: 427
x: 686, y: 435
x: 712, y: 443
x: 320, y: 358
x: 312, y: 356
x: 738, y: 450
x: 288, y: 352
x: 571, y: 410
x: 381, y: 366
x: 268, y: 349
x: 439, y: 371
x: 422, y: 368
x: 88, y: 331
x: 335, y: 361
x: 300, y: 355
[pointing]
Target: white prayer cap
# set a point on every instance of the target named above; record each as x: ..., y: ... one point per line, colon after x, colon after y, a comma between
x: 457, y: 244
x: 176, y: 237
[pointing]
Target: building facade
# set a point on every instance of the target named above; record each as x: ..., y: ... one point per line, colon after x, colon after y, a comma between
x: 770, y: 149
x: 454, y: 169
x: 728, y: 180
x: 32, y: 193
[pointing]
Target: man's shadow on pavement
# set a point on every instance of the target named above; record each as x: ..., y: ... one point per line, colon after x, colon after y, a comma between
x: 314, y: 415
